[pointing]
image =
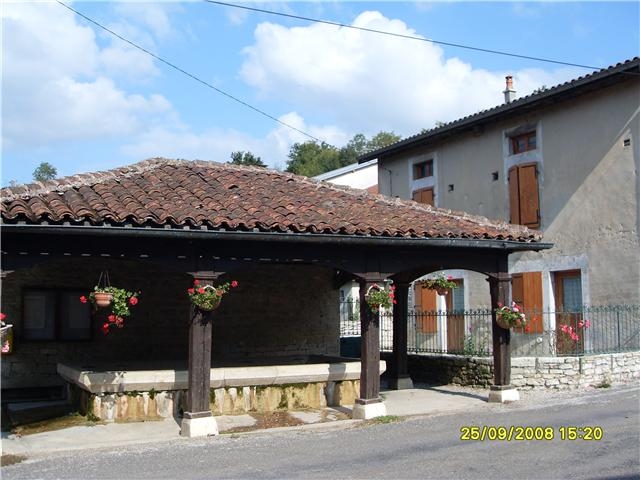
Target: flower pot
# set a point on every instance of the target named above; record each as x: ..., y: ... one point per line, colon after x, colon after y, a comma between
x: 103, y: 299
x: 441, y: 291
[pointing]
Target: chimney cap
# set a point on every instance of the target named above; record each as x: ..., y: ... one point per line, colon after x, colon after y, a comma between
x: 509, y: 80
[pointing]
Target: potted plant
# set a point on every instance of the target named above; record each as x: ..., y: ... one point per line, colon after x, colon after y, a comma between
x: 378, y: 296
x: 440, y: 284
x: 118, y: 300
x: 208, y: 297
x: 510, y: 317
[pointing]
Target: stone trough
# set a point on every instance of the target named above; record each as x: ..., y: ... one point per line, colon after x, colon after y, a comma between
x: 139, y: 391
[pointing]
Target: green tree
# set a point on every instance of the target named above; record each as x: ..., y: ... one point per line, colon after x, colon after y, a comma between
x: 312, y: 158
x: 246, y: 158
x: 45, y: 171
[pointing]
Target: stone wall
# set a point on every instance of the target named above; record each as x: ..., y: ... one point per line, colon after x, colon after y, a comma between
x: 528, y: 372
x: 276, y: 310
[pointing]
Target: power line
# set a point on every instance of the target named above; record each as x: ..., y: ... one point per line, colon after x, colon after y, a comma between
x: 410, y: 37
x: 194, y: 77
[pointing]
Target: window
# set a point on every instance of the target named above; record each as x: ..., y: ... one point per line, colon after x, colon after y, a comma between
x: 526, y: 291
x: 568, y: 292
x: 524, y: 201
x: 423, y: 169
x: 523, y: 142
x: 425, y: 195
x: 55, y: 315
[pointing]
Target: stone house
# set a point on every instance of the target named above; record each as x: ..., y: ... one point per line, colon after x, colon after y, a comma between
x: 564, y: 160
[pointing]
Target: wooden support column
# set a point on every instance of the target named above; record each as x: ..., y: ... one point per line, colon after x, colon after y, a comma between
x: 501, y: 390
x: 198, y: 419
x: 369, y: 404
x: 399, y: 378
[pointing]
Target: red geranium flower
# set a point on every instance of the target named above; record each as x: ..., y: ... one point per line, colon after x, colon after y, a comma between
x: 111, y: 318
x: 3, y: 316
x: 190, y: 291
x: 133, y: 301
x: 196, y: 282
x: 105, y: 328
x: 201, y: 290
x: 234, y: 284
x: 83, y: 299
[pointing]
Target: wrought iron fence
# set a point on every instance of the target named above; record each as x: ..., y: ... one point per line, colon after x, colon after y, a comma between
x: 588, y: 330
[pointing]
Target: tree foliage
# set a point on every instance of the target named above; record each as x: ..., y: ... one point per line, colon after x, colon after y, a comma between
x: 45, y: 171
x: 312, y: 158
x: 246, y: 158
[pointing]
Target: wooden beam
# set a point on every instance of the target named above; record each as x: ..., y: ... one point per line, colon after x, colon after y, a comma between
x: 399, y: 376
x: 499, y: 285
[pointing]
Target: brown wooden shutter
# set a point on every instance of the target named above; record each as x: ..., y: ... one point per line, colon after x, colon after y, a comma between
x: 529, y: 197
x: 524, y: 199
x: 514, y: 196
x: 425, y: 303
x: 526, y: 291
x: 424, y: 196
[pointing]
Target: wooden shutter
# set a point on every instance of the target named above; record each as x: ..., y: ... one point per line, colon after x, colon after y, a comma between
x: 514, y: 196
x: 526, y: 291
x: 425, y: 306
x: 524, y: 199
x: 424, y: 196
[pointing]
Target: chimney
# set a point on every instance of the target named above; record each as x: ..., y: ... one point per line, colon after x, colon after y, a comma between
x: 509, y: 93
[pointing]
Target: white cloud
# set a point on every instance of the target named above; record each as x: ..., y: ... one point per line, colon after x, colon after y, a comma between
x: 369, y: 82
x: 55, y: 82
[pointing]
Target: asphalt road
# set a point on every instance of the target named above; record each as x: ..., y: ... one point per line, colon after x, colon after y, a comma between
x: 425, y: 447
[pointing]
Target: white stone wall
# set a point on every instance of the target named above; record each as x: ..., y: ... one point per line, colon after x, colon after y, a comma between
x: 575, y: 372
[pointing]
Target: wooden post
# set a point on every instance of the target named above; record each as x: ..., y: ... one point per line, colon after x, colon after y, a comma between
x: 399, y: 378
x: 501, y: 390
x: 198, y: 419
x: 369, y: 405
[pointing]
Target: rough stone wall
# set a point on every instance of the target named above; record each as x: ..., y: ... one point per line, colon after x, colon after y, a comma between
x: 528, y: 372
x: 277, y: 310
x: 139, y: 406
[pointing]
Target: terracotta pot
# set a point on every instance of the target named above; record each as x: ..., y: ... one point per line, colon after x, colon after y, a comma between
x: 442, y: 291
x: 103, y: 299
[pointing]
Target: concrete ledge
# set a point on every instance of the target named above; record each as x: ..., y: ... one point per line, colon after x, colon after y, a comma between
x: 368, y: 411
x: 109, y: 380
x: 198, y: 427
x: 503, y: 394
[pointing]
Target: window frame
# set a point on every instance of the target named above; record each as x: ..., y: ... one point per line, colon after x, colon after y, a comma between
x: 426, y: 167
x: 525, y: 138
x: 58, y: 319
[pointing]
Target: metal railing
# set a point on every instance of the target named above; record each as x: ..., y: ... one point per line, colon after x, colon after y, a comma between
x: 588, y: 330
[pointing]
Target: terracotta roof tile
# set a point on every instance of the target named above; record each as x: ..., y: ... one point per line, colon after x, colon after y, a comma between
x: 178, y: 194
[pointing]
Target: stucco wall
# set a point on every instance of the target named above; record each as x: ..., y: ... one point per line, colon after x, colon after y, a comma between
x: 588, y: 187
x: 277, y: 310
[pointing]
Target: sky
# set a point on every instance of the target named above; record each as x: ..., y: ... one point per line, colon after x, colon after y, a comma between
x: 83, y: 100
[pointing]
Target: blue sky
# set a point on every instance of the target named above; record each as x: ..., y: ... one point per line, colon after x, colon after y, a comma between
x: 81, y: 99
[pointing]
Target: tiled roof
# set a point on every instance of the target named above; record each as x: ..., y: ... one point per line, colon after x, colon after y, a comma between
x: 628, y: 69
x: 207, y: 195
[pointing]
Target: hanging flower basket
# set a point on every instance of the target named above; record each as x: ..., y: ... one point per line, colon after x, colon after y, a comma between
x: 207, y: 297
x: 378, y: 296
x: 440, y: 284
x: 118, y: 300
x: 510, y: 317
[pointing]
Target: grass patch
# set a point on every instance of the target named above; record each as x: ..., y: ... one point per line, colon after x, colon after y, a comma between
x: 10, y: 459
x: 58, y: 423
x: 382, y: 419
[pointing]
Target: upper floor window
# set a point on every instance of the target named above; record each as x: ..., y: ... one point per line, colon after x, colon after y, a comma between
x: 523, y: 142
x: 423, y: 169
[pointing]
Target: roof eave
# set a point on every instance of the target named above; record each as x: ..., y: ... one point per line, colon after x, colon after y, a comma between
x: 252, y: 236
